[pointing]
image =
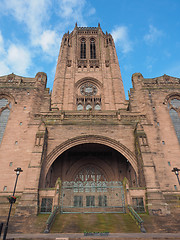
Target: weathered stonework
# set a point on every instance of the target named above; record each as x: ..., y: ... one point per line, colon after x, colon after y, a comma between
x: 132, y: 141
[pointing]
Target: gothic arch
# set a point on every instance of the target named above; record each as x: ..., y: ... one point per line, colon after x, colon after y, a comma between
x: 90, y: 80
x: 58, y: 150
x: 6, y: 102
x: 174, y: 94
x: 7, y: 95
x: 173, y: 106
x: 100, y: 164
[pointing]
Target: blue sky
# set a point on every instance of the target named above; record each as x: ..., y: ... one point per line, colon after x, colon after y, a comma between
x: 146, y: 34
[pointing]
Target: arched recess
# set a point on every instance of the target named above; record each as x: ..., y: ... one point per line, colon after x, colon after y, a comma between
x: 101, y: 165
x: 7, y: 95
x: 6, y: 102
x: 171, y: 95
x: 173, y: 105
x: 57, y: 151
x: 90, y: 80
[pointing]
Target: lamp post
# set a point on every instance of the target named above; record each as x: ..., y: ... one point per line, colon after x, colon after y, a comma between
x: 12, y: 200
x: 176, y: 171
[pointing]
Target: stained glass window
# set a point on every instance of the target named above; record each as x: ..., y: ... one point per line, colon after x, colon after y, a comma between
x: 90, y: 179
x: 174, y: 111
x: 5, y: 107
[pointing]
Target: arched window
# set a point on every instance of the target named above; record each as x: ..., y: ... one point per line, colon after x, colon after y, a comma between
x: 174, y: 111
x: 89, y: 96
x: 80, y: 107
x: 92, y: 49
x: 97, y: 107
x: 88, y: 107
x: 90, y: 179
x: 5, y: 107
x: 89, y: 173
x: 83, y: 48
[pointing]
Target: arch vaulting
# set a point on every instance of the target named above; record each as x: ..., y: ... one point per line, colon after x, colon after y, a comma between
x: 88, y: 139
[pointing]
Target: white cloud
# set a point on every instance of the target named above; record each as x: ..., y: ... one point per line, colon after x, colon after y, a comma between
x: 75, y: 11
x: 33, y: 13
x: 91, y: 11
x: 30, y: 12
x: 49, y: 42
x: 19, y: 59
x: 1, y: 44
x: 71, y: 8
x: 16, y: 59
x: 153, y: 35
x: 120, y: 35
x: 4, y: 69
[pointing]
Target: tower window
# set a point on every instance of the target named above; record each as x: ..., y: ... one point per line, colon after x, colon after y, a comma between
x: 97, y: 107
x: 80, y: 107
x: 83, y: 48
x: 92, y: 49
x: 88, y: 107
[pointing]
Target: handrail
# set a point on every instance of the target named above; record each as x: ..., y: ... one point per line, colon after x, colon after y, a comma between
x: 51, y: 219
x: 137, y: 218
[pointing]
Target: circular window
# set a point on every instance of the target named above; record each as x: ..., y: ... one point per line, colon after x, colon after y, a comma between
x: 88, y: 89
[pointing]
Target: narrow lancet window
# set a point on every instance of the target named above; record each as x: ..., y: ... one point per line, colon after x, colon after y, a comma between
x: 174, y: 111
x: 92, y: 49
x: 83, y: 49
x: 5, y: 106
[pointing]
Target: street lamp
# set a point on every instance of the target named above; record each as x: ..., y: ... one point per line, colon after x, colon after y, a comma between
x: 176, y: 171
x: 12, y: 199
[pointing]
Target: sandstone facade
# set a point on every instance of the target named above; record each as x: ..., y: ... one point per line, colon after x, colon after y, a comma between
x: 86, y: 134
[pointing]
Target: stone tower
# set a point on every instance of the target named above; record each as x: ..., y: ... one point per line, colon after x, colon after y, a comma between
x: 87, y: 73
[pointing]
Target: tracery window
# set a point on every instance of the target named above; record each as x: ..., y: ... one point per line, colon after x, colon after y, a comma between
x: 5, y: 106
x: 92, y: 49
x: 174, y: 111
x: 88, y: 98
x: 90, y: 179
x: 83, y: 48
x: 89, y: 173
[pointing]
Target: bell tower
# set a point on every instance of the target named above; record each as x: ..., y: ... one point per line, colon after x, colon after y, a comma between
x: 87, y: 73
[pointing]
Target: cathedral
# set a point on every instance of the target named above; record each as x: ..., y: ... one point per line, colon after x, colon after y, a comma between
x: 83, y: 147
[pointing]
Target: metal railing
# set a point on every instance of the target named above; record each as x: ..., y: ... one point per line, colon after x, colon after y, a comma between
x: 51, y: 219
x: 137, y: 218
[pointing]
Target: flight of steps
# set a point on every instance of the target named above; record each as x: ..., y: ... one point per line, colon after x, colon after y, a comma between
x: 104, y: 222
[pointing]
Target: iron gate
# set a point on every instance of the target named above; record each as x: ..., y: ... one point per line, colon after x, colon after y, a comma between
x: 92, y: 197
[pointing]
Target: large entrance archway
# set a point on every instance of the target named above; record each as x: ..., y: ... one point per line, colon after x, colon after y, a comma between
x: 112, y: 165
x: 91, y: 178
